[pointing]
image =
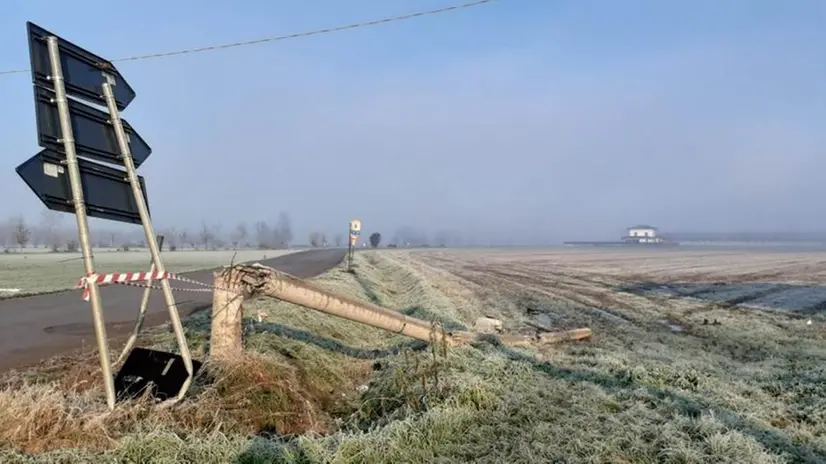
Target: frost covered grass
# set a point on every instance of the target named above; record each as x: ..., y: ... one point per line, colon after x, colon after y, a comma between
x: 734, y: 384
x: 35, y: 273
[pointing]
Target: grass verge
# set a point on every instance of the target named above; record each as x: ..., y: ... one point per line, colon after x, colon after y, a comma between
x: 314, y: 388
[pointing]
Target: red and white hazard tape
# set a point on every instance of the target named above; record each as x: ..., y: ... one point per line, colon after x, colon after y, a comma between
x: 140, y: 279
x: 119, y: 278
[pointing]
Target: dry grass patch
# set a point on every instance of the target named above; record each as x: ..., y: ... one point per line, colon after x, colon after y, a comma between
x: 269, y: 394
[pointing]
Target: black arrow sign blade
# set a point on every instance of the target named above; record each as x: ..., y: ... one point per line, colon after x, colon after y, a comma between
x: 94, y: 135
x: 106, y: 190
x: 82, y: 70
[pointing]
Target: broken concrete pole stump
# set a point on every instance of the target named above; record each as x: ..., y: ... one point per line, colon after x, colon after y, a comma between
x: 226, y: 338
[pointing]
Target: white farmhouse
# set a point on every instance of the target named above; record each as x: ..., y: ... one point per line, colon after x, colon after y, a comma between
x: 642, y: 234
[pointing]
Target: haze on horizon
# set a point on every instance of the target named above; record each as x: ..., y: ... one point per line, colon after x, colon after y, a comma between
x: 523, y: 121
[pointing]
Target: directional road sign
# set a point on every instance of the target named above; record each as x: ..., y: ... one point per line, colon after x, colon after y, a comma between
x: 106, y: 190
x: 94, y: 135
x: 82, y: 70
x: 65, y: 177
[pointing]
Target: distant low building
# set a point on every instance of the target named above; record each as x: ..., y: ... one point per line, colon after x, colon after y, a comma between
x: 642, y: 234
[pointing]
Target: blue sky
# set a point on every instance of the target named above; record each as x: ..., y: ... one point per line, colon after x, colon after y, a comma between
x: 534, y: 120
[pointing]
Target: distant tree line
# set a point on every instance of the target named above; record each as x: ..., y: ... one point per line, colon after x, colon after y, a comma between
x: 48, y: 232
x: 411, y: 237
x: 56, y: 232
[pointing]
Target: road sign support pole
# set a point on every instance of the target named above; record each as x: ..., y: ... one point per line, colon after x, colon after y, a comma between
x: 141, y: 311
x: 80, y: 214
x: 349, y: 253
x: 174, y: 316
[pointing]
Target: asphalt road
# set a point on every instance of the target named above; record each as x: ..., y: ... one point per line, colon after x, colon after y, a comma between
x: 41, y: 326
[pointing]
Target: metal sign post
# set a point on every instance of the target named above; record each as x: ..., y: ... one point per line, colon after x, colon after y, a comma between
x: 114, y: 117
x: 80, y: 214
x: 349, y: 254
x: 127, y: 348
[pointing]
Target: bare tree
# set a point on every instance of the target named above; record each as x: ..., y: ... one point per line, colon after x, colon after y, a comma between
x: 8, y: 229
x: 72, y: 246
x: 6, y: 233
x: 21, y: 232
x: 339, y: 239
x: 315, y: 239
x: 170, y: 236
x: 50, y: 228
x: 217, y: 238
x: 37, y: 235
x: 184, y: 238
x: 243, y: 234
x: 283, y: 231
x: 137, y: 237
x: 239, y: 235
x: 100, y: 238
x: 205, y: 235
x: 263, y: 235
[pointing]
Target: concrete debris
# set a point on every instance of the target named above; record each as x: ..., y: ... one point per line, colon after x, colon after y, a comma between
x: 488, y: 325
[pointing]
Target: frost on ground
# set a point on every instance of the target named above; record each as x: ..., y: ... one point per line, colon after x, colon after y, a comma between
x: 34, y: 273
x: 734, y: 384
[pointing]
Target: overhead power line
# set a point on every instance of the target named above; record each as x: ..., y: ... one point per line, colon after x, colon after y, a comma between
x: 296, y: 35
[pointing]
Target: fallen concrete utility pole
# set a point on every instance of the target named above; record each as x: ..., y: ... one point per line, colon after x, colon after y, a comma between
x: 236, y: 283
